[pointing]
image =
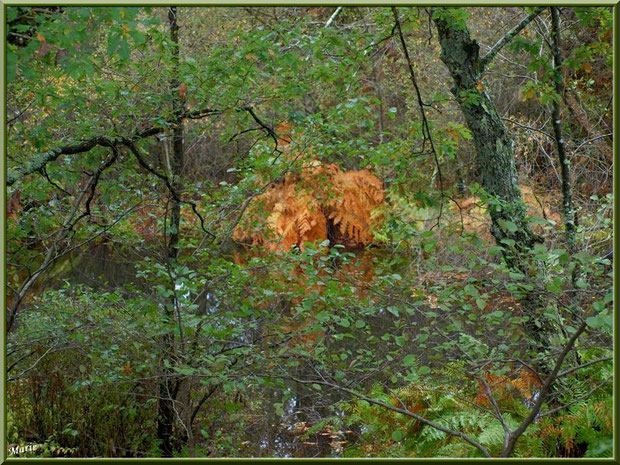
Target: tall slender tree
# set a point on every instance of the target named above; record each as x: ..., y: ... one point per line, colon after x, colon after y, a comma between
x: 169, y: 386
x: 567, y: 191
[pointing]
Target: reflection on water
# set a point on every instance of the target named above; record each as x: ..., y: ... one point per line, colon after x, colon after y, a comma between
x: 283, y: 432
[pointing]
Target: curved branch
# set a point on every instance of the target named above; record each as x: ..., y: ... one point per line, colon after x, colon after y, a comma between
x: 143, y: 163
x: 542, y: 395
x: 426, y: 132
x: 51, y: 255
x: 43, y: 159
x: 266, y: 127
x: 406, y: 412
x: 578, y: 399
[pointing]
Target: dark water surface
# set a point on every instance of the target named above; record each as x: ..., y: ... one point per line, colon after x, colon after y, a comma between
x: 109, y: 267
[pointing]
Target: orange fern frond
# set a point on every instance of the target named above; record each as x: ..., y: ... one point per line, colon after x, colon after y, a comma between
x: 303, y: 207
x: 358, y: 193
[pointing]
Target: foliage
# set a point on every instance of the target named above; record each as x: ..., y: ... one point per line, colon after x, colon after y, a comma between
x: 378, y: 276
x: 308, y: 205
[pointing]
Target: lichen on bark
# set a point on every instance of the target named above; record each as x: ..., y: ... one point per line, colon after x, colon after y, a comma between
x: 494, y: 145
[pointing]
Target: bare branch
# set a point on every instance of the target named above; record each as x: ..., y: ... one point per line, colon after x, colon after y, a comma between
x: 43, y: 159
x: 265, y: 126
x: 406, y: 412
x: 61, y: 235
x: 426, y: 132
x: 484, y: 61
x: 579, y: 367
x: 578, y: 399
x: 496, y: 410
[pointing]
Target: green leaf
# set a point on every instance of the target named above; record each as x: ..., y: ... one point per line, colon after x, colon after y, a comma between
x: 124, y: 51
x: 555, y: 286
x: 409, y: 360
x: 344, y: 323
x: 424, y: 370
x: 393, y: 311
x: 602, y: 321
x: 508, y: 225
x: 495, y: 250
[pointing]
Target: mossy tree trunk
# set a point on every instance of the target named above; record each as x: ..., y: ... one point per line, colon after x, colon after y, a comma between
x: 494, y: 157
x: 494, y: 145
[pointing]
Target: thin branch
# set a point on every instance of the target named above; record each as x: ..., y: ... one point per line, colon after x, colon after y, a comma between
x: 484, y: 61
x: 32, y: 366
x: 542, y: 394
x: 144, y: 164
x: 406, y: 412
x: 61, y: 235
x: 265, y: 126
x: 579, y: 367
x: 43, y: 159
x: 332, y: 17
x: 578, y: 399
x: 46, y: 174
x: 527, y: 127
x: 496, y: 410
x: 207, y: 395
x: 425, y: 126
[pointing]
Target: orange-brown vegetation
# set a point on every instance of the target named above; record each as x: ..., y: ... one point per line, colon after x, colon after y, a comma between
x: 524, y: 381
x: 317, y: 202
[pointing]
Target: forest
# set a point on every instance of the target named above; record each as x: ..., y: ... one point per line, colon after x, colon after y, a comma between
x: 309, y: 231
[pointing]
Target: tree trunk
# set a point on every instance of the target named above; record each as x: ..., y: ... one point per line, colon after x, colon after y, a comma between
x: 567, y: 192
x: 496, y: 163
x: 494, y: 145
x: 169, y: 388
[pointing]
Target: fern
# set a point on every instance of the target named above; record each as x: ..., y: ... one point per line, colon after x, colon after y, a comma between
x: 303, y: 206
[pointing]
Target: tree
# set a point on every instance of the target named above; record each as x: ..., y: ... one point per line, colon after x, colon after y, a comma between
x: 567, y: 191
x: 494, y: 145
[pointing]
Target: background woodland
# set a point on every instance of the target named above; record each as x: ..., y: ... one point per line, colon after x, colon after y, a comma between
x: 309, y: 231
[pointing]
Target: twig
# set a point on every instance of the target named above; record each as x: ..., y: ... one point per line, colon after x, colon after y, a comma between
x: 426, y: 133
x: 579, y: 367
x: 406, y: 412
x: 43, y: 159
x: 578, y: 399
x: 542, y: 394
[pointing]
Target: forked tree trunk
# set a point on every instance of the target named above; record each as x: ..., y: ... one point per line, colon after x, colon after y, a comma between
x: 494, y: 145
